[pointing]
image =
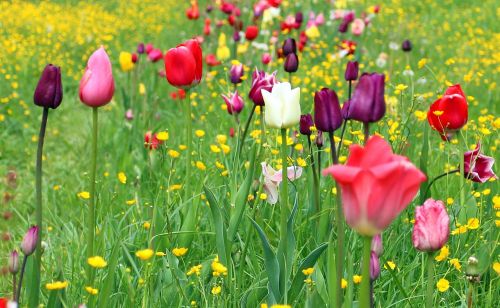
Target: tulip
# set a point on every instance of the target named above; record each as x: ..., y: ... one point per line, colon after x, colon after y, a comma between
x: 374, y: 266
x: 299, y: 17
x: 358, y: 26
x: 211, y: 60
x: 319, y: 141
x: 351, y: 71
x: 251, y: 32
x: 126, y: 62
x: 367, y: 104
x: 273, y: 178
x: 477, y: 166
x: 234, y: 103
x: 283, y: 106
x: 135, y: 58
x: 261, y: 81
x: 449, y: 113
x: 432, y: 226
x: 129, y: 115
x: 406, y: 45
x: 140, y: 48
x: 30, y: 239
x: 266, y: 58
x: 48, y: 92
x: 376, y: 185
x: 14, y: 262
x: 149, y: 47
x: 327, y: 114
x: 236, y: 36
x: 377, y: 245
x: 151, y: 142
x: 97, y: 85
x: 155, y: 55
x: 291, y: 63
x: 306, y: 122
x: 236, y: 72
x: 193, y: 12
x: 289, y: 46
x: 183, y: 65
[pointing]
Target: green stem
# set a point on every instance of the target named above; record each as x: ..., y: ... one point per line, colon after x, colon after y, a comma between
x: 366, y: 130
x: 429, y: 298
x: 364, y: 291
x: 17, y: 298
x: 247, y: 124
x: 284, y: 206
x: 189, y: 136
x: 437, y: 178
x: 315, y: 177
x: 35, y: 293
x: 91, y: 210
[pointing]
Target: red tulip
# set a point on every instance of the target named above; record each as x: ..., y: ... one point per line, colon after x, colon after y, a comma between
x: 432, y: 226
x: 449, y: 113
x: 193, y: 12
x: 211, y: 60
x: 151, y: 141
x: 183, y: 65
x: 266, y: 58
x: 376, y: 185
x: 97, y: 85
x: 252, y: 32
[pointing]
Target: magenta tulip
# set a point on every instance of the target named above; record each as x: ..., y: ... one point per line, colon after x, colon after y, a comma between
x: 97, y: 85
x: 234, y: 103
x: 478, y: 167
x: 30, y: 239
x: 432, y: 226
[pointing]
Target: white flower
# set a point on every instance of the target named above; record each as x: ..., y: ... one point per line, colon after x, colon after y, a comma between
x: 282, y: 106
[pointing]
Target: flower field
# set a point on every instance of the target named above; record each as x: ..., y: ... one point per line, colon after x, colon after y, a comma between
x: 143, y: 143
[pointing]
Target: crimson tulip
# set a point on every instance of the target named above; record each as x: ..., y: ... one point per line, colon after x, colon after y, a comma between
x: 252, y: 32
x: 449, y: 113
x: 184, y: 65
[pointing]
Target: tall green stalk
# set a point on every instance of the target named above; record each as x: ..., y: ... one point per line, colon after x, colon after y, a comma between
x: 429, y: 297
x: 189, y: 137
x: 364, y: 291
x: 35, y: 275
x: 91, y: 210
x: 284, y: 208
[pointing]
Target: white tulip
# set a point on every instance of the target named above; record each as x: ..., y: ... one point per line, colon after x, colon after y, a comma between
x: 282, y: 106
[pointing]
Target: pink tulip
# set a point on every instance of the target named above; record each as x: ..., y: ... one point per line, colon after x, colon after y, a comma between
x: 234, y: 102
x: 377, y: 246
x: 358, y: 26
x: 273, y: 178
x: 432, y: 226
x: 477, y: 166
x: 97, y: 85
x: 376, y: 185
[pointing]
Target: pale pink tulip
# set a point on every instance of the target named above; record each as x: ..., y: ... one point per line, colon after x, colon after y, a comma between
x: 358, y: 26
x: 273, y: 178
x: 432, y: 226
x: 97, y: 85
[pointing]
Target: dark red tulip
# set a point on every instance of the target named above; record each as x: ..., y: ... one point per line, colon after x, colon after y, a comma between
x: 367, y: 103
x: 327, y: 116
x: 306, y: 122
x: 140, y: 48
x: 183, y: 65
x: 289, y: 46
x: 252, y: 32
x: 134, y: 58
x: 406, y: 46
x: 291, y: 64
x: 48, y: 92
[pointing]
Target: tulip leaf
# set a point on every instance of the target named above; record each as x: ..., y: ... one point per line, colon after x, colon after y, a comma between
x: 219, y: 225
x: 271, y: 264
x: 241, y: 198
x: 309, y: 261
x: 109, y: 281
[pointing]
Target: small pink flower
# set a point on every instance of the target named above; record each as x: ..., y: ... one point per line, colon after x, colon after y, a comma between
x: 273, y: 178
x: 432, y: 226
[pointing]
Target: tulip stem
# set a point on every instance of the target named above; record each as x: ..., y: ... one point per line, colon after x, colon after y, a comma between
x: 189, y: 131
x: 92, y: 201
x: 366, y: 130
x: 364, y: 291
x: 315, y: 176
x: 284, y: 208
x: 247, y: 124
x: 437, y: 178
x: 345, y: 121
x: 429, y: 298
x: 14, y: 282
x: 21, y: 275
x: 38, y: 255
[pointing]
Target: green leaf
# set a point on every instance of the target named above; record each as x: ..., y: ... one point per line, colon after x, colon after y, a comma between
x: 219, y: 225
x: 109, y: 281
x: 271, y: 263
x: 424, y: 156
x: 309, y: 261
x: 241, y: 198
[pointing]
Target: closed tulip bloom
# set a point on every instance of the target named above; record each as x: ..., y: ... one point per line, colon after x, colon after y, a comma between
x: 449, y: 113
x: 155, y: 55
x: 376, y: 185
x: 358, y: 26
x: 306, y: 122
x: 14, y: 262
x: 327, y: 114
x: 291, y: 63
x: 251, y: 32
x: 477, y: 166
x: 184, y: 65
x: 374, y: 266
x: 367, y: 104
x: 126, y: 62
x: 236, y: 72
x: 97, y: 85
x: 282, y: 106
x: 48, y: 92
x: 432, y: 226
x: 351, y: 71
x: 28, y: 244
x: 406, y: 45
x: 141, y: 48
x: 289, y: 46
x: 233, y: 102
x: 261, y: 81
x: 266, y: 58
x: 377, y: 246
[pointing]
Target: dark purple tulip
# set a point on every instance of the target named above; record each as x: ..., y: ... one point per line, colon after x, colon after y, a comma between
x: 261, y: 81
x: 351, y: 71
x: 289, y: 46
x: 477, y: 166
x: 236, y: 72
x: 140, y: 48
x: 209, y: 8
x: 374, y: 266
x: 291, y: 63
x: 30, y: 239
x: 343, y: 27
x: 48, y: 92
x: 319, y: 139
x: 406, y: 46
x: 299, y: 17
x: 14, y: 262
x: 306, y: 122
x: 327, y: 114
x: 236, y: 36
x: 367, y: 103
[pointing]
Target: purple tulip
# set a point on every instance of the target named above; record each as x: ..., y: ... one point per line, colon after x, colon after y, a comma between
x: 261, y: 81
x: 48, y: 92
x: 327, y: 114
x: 236, y: 72
x: 351, y: 71
x: 233, y: 102
x: 299, y: 17
x: 236, y: 36
x: 478, y: 167
x: 347, y: 19
x: 30, y: 239
x: 14, y: 262
x: 367, y: 103
x: 291, y: 63
x: 306, y: 122
x: 289, y: 46
x: 374, y: 266
x: 406, y: 46
x: 140, y: 48
x: 377, y: 245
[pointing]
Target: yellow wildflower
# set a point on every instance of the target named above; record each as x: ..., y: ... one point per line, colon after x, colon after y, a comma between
x: 56, y: 285
x: 179, y: 252
x: 122, y: 178
x: 97, y: 262
x: 144, y: 254
x: 84, y: 195
x: 443, y: 254
x: 442, y: 285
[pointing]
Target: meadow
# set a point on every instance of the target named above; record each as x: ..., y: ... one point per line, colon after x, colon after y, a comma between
x: 188, y: 209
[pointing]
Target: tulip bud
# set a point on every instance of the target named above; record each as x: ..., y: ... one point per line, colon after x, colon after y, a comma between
x: 432, y: 226
x: 367, y: 104
x: 48, y: 92
x: 251, y: 33
x: 299, y: 17
x: 141, y: 49
x: 135, y: 58
x: 327, y: 114
x: 266, y: 58
x: 155, y: 55
x: 374, y: 266
x: 129, y: 115
x: 231, y: 132
x: 291, y: 63
x: 97, y: 85
x: 184, y: 65
x: 28, y: 245
x: 234, y: 103
x: 261, y: 81
x: 377, y: 245
x: 319, y: 139
x: 14, y: 262
x: 236, y: 36
x: 351, y: 71
x: 148, y: 48
x: 236, y: 72
x: 289, y: 46
x: 406, y: 46
x: 306, y: 122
